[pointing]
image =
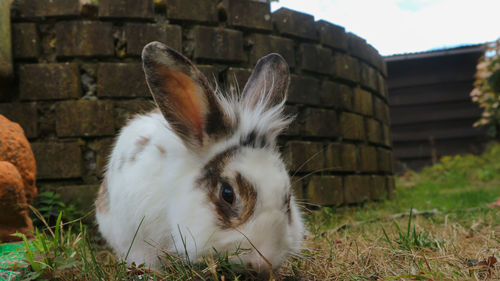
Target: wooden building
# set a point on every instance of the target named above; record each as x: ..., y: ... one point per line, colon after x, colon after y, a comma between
x: 431, y: 111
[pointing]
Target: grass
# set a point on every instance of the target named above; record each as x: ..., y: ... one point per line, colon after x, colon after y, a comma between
x: 437, y: 227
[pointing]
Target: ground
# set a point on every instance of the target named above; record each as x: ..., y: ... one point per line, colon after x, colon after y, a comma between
x: 452, y: 233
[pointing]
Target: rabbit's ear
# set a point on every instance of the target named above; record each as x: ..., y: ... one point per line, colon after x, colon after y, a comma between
x: 184, y: 96
x: 268, y: 84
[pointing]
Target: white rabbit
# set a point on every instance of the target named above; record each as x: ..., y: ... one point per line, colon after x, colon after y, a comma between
x: 202, y: 169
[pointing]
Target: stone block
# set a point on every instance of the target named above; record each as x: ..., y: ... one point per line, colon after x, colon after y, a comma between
x: 345, y: 67
x: 84, y: 118
x: 379, y: 107
x: 368, y: 76
x: 358, y: 47
x: 6, y: 65
x: 293, y: 23
x: 49, y: 81
x: 25, y: 114
x: 367, y: 158
x: 382, y: 86
x: 210, y: 71
x: 295, y: 128
x: 25, y: 41
x: 263, y: 45
x: 352, y: 126
x: 304, y: 156
x: 349, y: 157
x: 125, y: 110
x: 217, y: 43
x: 379, y: 189
x: 315, y: 58
x: 102, y: 149
x: 47, y: 8
x: 320, y: 123
x: 333, y: 157
x: 84, y: 38
x: 248, y: 14
x: 303, y: 90
x: 385, y: 160
x: 331, y: 35
x: 131, y: 9
x: 325, y: 190
x: 193, y: 10
x: 356, y: 188
x: 82, y: 196
x: 121, y: 80
x: 336, y: 94
x: 237, y: 77
x: 58, y: 160
x: 373, y: 131
x: 298, y: 188
x: 386, y: 134
x: 363, y: 103
x: 139, y: 34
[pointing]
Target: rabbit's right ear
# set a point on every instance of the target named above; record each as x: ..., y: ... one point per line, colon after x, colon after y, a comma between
x: 184, y: 96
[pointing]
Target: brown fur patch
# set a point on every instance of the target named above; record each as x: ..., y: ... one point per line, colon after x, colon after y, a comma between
x: 239, y: 213
x: 162, y: 150
x: 102, y: 201
x: 140, y: 144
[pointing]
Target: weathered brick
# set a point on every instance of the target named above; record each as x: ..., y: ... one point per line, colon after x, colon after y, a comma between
x: 193, y: 10
x: 325, y: 190
x: 320, y: 123
x: 379, y: 189
x: 336, y: 94
x: 248, y: 14
x: 263, y: 45
x: 218, y: 43
x: 349, y: 157
x: 379, y: 107
x: 82, y: 196
x: 126, y: 9
x: 303, y: 156
x: 391, y: 186
x: 385, y: 159
x: 352, y: 126
x: 382, y: 86
x: 84, y: 38
x: 211, y: 72
x: 121, y: 80
x: 386, y: 135
x: 315, y: 58
x: 298, y: 188
x: 125, y: 110
x: 102, y: 149
x: 387, y: 114
x: 331, y: 35
x: 367, y: 158
x: 373, y: 131
x: 356, y: 188
x: 238, y: 77
x: 373, y: 57
x: 23, y: 113
x: 25, y: 40
x: 358, y: 46
x: 294, y: 23
x: 362, y: 102
x: 333, y: 157
x: 58, y: 160
x: 368, y: 76
x: 295, y: 128
x: 49, y: 81
x: 304, y: 90
x: 345, y: 67
x: 47, y: 8
x: 84, y: 118
x: 140, y: 34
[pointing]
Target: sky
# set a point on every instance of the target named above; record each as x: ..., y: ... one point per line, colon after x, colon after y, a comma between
x: 405, y: 26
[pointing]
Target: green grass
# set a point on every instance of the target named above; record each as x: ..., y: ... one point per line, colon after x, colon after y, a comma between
x: 455, y: 240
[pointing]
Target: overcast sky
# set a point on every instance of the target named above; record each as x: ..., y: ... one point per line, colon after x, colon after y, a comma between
x: 402, y: 26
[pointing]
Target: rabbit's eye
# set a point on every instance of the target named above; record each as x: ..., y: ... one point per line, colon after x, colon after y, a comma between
x: 227, y: 192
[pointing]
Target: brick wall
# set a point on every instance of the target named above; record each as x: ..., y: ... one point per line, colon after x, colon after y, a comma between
x: 79, y: 77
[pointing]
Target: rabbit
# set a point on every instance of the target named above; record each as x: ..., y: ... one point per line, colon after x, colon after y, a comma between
x: 202, y: 171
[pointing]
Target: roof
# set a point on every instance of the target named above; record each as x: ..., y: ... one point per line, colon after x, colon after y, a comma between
x: 438, y: 53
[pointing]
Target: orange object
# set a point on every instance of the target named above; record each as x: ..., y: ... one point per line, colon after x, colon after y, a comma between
x: 17, y: 180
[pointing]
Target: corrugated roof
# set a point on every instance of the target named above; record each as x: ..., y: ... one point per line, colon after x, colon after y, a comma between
x: 439, y: 52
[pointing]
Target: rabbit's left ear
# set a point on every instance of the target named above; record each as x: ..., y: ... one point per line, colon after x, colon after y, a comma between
x: 268, y: 84
x: 184, y: 96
